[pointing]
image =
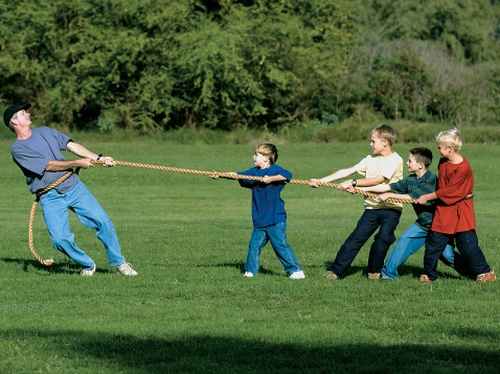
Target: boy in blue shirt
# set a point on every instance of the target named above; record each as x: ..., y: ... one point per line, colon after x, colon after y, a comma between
x: 268, y: 211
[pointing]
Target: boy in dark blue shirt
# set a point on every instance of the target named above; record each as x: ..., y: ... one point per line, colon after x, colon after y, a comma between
x: 268, y: 211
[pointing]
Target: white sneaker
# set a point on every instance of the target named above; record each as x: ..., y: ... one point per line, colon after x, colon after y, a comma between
x: 297, y: 275
x: 248, y: 274
x: 126, y: 269
x: 88, y: 272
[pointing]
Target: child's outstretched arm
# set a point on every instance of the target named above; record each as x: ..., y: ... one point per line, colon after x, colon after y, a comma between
x: 274, y: 178
x: 425, y: 198
x: 379, y: 188
x: 216, y: 175
x: 339, y: 174
x: 228, y: 175
x: 392, y: 195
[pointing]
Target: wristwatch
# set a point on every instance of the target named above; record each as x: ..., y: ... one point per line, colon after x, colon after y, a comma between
x: 354, y: 182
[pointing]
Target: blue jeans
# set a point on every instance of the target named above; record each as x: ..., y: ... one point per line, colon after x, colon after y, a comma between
x: 276, y: 234
x: 371, y: 220
x: 55, y: 208
x: 470, y: 260
x: 408, y: 243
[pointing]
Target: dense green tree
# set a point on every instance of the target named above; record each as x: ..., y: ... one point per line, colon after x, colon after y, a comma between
x: 466, y: 27
x: 401, y: 85
x: 151, y: 65
x: 223, y: 64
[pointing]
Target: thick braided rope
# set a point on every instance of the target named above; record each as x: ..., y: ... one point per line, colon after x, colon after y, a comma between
x: 232, y: 175
x: 227, y: 175
x: 49, y: 261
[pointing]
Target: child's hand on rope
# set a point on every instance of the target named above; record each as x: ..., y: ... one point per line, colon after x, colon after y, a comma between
x: 214, y: 175
x: 345, y: 185
x: 382, y: 197
x: 313, y: 183
x: 266, y: 179
x: 351, y: 189
x: 421, y: 200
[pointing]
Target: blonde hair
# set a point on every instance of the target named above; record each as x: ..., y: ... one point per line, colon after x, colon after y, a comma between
x: 451, y: 138
x: 386, y: 132
x: 269, y: 150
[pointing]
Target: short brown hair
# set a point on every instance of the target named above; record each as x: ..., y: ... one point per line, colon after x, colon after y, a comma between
x: 423, y: 155
x: 268, y: 150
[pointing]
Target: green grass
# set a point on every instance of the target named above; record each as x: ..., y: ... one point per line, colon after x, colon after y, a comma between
x: 191, y: 310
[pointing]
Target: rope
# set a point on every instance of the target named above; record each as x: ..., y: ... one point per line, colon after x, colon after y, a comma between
x: 49, y: 261
x: 232, y: 175
x: 227, y: 175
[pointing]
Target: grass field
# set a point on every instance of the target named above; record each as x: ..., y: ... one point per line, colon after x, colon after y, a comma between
x: 190, y: 310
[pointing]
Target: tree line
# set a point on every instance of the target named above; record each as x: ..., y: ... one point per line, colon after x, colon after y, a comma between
x: 151, y: 66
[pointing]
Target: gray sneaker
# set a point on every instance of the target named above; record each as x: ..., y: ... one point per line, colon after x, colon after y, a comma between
x: 88, y: 272
x: 126, y: 269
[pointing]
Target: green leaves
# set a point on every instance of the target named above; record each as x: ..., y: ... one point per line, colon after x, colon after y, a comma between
x: 149, y: 66
x: 464, y: 27
x: 152, y: 65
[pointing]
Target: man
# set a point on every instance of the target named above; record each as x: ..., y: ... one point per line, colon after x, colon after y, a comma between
x: 38, y: 153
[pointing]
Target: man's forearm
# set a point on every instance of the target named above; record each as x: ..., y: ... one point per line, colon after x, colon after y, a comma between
x: 81, y: 151
x: 56, y: 165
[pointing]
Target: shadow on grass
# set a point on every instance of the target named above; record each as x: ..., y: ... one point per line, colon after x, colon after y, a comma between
x: 417, y: 270
x: 206, y: 354
x: 69, y: 267
x: 66, y: 267
x: 403, y: 270
x: 241, y: 267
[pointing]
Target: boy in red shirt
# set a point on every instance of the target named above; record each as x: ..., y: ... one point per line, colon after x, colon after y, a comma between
x: 454, y: 218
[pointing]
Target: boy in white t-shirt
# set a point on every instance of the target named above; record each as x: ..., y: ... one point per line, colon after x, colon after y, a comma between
x: 383, y: 167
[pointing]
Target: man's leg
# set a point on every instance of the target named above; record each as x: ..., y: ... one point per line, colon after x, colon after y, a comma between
x: 55, y: 213
x: 92, y: 215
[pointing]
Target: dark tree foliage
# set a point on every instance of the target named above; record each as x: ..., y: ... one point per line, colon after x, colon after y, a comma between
x: 465, y: 27
x: 425, y: 60
x: 152, y: 65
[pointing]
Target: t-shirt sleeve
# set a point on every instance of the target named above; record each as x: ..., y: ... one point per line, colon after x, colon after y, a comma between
x: 278, y: 170
x: 362, y: 166
x: 43, y: 148
x: 247, y: 182
x: 62, y: 139
x: 399, y: 187
x: 30, y: 159
x: 392, y: 165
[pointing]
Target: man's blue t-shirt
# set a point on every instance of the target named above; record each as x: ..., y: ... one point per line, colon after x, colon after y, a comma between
x: 32, y: 155
x: 268, y: 208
